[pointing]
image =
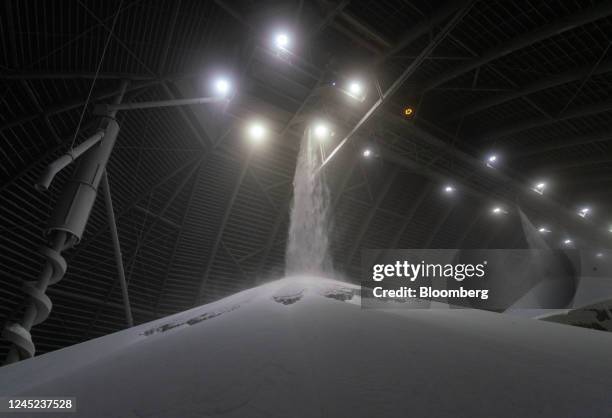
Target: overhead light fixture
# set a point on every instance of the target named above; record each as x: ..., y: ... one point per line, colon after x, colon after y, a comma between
x: 256, y: 131
x: 282, y: 40
x: 367, y: 153
x: 567, y: 241
x: 492, y: 160
x: 599, y: 255
x: 321, y: 131
x: 222, y: 86
x: 408, y: 112
x: 498, y: 210
x: 543, y: 230
x: 539, y: 187
x: 448, y: 189
x: 583, y: 212
x: 355, y: 89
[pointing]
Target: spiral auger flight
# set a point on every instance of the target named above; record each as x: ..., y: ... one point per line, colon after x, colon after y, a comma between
x: 72, y: 209
x: 64, y: 229
x: 38, y: 305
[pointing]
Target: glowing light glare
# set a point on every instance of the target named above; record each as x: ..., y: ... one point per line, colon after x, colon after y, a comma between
x: 567, y: 241
x: 539, y: 187
x: 599, y: 255
x: 449, y: 189
x: 491, y: 160
x: 408, y: 112
x: 281, y: 40
x: 367, y: 153
x: 321, y: 131
x: 355, y: 88
x: 222, y: 86
x: 543, y: 230
x: 498, y: 210
x: 584, y: 212
x: 256, y: 131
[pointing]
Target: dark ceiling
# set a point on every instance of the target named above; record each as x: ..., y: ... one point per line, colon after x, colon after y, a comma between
x: 201, y: 215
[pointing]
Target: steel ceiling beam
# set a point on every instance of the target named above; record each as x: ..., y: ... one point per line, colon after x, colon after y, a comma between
x: 221, y: 230
x: 467, y: 231
x: 236, y: 262
x: 438, y: 226
x: 96, y: 302
x: 591, y: 179
x: 356, y: 38
x: 410, y: 216
x: 177, y: 191
x: 84, y: 75
x: 188, y: 118
x: 81, y: 35
x: 162, y: 219
x: 365, y: 29
x: 263, y: 189
x: 233, y: 13
x: 495, y: 70
x: 328, y: 19
x: 600, y: 159
x: 157, y: 104
x: 511, y: 190
x: 12, y: 41
x: 407, y: 219
x: 539, y: 121
x: 39, y: 108
x: 271, y: 240
x: 414, y: 33
x: 177, y: 241
x: 142, y: 239
x: 562, y: 143
x: 161, y: 69
x: 421, y: 28
x: 62, y: 75
x: 365, y: 224
x: 117, y: 39
x: 74, y: 104
x: 408, y: 71
x: 547, y: 82
x: 92, y: 238
x: 564, y: 24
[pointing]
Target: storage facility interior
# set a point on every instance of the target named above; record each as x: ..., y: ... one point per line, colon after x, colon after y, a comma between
x: 441, y: 119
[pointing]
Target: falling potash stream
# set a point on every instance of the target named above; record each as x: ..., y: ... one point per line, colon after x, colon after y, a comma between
x: 309, y: 228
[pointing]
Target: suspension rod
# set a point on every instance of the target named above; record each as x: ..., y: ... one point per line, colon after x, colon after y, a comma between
x: 117, y: 248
